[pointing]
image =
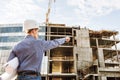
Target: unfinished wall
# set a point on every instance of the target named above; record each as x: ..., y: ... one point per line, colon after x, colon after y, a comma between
x: 82, y: 38
x: 83, y: 50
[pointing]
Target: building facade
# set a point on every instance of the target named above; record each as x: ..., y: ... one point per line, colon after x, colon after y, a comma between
x: 88, y: 56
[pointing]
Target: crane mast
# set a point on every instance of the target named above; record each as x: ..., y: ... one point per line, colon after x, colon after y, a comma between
x: 48, y: 12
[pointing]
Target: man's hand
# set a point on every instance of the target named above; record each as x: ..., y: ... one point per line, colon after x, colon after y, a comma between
x: 67, y: 39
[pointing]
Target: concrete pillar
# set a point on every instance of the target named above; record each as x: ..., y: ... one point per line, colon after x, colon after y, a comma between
x: 101, y: 61
x: 101, y: 57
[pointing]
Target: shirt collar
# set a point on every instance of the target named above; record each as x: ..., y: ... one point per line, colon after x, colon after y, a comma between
x: 29, y: 36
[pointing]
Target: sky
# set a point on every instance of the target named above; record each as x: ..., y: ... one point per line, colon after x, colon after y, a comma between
x: 93, y: 14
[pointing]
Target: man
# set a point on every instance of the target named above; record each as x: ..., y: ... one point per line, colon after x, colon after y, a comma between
x: 30, y: 51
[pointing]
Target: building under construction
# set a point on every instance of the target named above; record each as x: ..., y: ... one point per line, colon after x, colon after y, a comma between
x: 90, y: 55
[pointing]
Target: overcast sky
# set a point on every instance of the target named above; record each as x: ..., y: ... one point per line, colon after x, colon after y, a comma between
x: 94, y: 14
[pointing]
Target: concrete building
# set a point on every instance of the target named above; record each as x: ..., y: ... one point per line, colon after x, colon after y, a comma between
x: 90, y: 55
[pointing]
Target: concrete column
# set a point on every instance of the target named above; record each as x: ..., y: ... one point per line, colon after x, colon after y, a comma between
x: 101, y: 57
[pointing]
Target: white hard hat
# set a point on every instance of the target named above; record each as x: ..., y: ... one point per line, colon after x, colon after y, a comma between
x: 30, y: 24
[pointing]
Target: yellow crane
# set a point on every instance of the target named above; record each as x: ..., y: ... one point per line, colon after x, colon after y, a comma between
x: 48, y: 11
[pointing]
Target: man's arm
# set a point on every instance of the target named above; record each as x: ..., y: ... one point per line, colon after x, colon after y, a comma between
x: 54, y: 43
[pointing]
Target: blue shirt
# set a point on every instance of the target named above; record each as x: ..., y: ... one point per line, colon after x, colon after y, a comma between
x: 30, y: 52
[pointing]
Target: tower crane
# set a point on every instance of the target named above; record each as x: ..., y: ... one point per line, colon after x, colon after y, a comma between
x: 48, y: 11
